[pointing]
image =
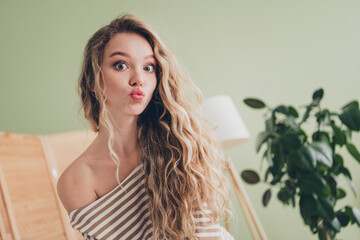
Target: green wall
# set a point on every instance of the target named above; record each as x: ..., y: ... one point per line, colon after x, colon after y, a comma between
x: 280, y: 51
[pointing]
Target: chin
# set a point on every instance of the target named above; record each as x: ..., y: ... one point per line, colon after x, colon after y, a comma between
x: 137, y: 112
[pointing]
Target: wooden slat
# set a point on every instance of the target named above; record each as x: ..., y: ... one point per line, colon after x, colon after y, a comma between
x: 29, y: 187
x: 60, y: 150
x: 66, y: 147
x: 8, y: 227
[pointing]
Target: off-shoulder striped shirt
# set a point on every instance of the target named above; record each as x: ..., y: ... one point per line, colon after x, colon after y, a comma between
x: 123, y: 213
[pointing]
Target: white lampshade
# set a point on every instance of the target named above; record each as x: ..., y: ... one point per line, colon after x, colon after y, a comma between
x: 229, y: 126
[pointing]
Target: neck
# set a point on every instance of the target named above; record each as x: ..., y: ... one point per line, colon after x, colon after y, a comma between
x: 125, y: 130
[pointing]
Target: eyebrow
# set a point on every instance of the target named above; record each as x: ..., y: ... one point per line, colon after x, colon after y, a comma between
x: 127, y: 55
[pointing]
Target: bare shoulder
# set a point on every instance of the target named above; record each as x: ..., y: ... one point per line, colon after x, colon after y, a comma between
x: 75, y: 185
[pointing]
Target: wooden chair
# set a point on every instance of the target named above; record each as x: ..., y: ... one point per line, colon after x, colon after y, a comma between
x: 29, y: 168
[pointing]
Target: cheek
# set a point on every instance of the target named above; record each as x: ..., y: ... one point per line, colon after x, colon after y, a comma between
x: 152, y: 89
x: 113, y: 81
x: 154, y: 83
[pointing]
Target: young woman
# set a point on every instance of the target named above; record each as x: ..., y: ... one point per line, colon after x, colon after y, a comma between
x: 154, y: 171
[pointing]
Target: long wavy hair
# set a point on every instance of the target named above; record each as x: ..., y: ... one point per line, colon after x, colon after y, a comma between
x: 183, y: 161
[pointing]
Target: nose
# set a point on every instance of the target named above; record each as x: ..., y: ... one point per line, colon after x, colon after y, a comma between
x: 137, y: 79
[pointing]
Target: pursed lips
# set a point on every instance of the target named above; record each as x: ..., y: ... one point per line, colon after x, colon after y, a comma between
x: 137, y: 94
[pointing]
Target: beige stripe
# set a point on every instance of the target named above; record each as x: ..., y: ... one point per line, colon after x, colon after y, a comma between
x: 120, y: 215
x: 149, y: 226
x: 206, y: 224
x: 103, y: 206
x: 137, y: 221
x: 140, y: 228
x: 203, y: 215
x: 149, y: 236
x: 207, y: 230
x: 136, y: 227
x: 211, y: 238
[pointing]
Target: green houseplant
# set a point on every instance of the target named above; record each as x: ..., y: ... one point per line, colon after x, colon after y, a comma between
x: 307, y: 167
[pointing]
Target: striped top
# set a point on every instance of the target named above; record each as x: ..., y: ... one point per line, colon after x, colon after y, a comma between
x: 123, y: 213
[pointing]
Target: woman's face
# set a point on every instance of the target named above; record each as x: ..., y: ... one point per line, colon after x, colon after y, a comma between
x: 128, y: 71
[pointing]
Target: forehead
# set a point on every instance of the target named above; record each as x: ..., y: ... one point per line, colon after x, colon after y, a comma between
x: 131, y: 43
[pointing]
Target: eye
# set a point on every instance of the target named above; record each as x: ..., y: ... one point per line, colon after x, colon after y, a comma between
x: 120, y: 65
x: 150, y: 68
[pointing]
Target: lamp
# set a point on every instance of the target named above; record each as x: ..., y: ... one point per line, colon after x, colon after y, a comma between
x: 230, y: 127
x: 231, y: 130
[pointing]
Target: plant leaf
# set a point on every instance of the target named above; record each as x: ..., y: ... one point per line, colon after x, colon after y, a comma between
x: 281, y: 109
x: 348, y: 180
x: 346, y: 172
x: 351, y: 105
x: 284, y: 195
x: 250, y: 176
x: 351, y: 117
x: 293, y: 112
x: 323, y: 153
x: 266, y: 197
x: 260, y: 139
x: 307, y: 113
x: 290, y: 141
x: 281, y: 128
x: 268, y: 155
x: 269, y: 125
x: 267, y: 174
x: 318, y: 94
x: 335, y: 224
x: 343, y: 217
x: 347, y: 135
x: 339, y: 137
x: 312, y: 183
x: 290, y: 121
x: 277, y: 178
x: 353, y: 151
x: 337, y: 164
x: 320, y: 136
x: 340, y: 193
x: 254, y: 103
x: 302, y: 135
x: 322, y: 234
x: 323, y: 117
x: 325, y: 209
x: 307, y: 205
x: 356, y: 214
x: 304, y: 158
x: 350, y: 213
x: 332, y: 182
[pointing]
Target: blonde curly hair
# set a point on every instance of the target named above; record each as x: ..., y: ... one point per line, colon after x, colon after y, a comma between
x: 182, y: 158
